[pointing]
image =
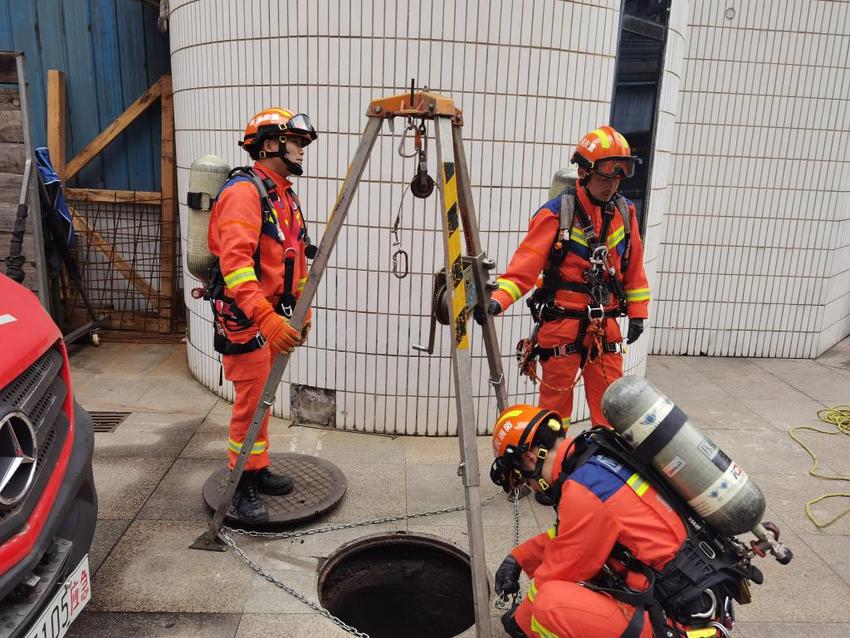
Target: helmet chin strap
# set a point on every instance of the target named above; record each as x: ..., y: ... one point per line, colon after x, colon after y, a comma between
x: 594, y: 200
x: 294, y: 168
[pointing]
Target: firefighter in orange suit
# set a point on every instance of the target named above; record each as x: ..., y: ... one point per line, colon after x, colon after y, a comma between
x: 601, y: 506
x: 260, y: 238
x: 588, y: 248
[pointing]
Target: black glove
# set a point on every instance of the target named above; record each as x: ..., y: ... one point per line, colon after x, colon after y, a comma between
x: 510, y: 624
x: 493, y: 308
x: 507, y: 576
x: 635, y: 330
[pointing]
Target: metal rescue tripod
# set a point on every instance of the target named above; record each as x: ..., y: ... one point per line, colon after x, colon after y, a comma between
x: 469, y: 270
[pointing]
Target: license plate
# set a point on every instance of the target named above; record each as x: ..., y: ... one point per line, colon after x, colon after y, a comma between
x: 66, y: 605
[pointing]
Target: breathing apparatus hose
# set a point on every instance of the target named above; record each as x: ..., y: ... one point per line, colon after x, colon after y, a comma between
x: 838, y: 416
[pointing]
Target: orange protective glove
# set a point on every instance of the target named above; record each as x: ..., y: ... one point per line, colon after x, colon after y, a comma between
x: 308, y: 324
x: 278, y: 332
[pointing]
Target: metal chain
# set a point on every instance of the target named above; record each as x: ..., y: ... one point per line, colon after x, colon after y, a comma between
x: 506, y: 601
x: 224, y: 534
x: 339, y: 526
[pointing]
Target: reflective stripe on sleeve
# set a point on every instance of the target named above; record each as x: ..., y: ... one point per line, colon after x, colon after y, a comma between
x: 637, y: 294
x: 551, y: 533
x: 509, y: 287
x: 239, y: 276
x: 638, y: 484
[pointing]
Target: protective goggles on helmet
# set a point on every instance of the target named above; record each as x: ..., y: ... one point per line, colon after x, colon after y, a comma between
x: 615, y: 166
x: 300, y: 124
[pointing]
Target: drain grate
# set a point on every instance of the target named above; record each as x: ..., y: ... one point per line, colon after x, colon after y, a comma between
x: 107, y: 421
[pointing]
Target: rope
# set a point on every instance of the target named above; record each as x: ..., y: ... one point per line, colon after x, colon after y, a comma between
x: 838, y: 416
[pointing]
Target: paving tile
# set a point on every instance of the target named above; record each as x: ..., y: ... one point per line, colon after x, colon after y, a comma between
x: 148, y: 434
x: 833, y: 550
x: 355, y: 447
x: 106, y: 392
x: 432, y: 487
x: 266, y: 598
x: 374, y: 490
x: 289, y: 625
x: 793, y: 629
x: 430, y: 450
x: 181, y: 394
x: 106, y: 535
x: 787, y: 494
x: 124, y: 484
x: 179, y: 496
x: 124, y: 359
x: 152, y: 569
x: 162, y: 625
x: 210, y: 437
x: 827, y: 385
x: 805, y: 590
x: 832, y: 450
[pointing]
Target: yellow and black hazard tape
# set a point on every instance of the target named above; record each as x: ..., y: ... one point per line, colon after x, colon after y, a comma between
x: 455, y: 259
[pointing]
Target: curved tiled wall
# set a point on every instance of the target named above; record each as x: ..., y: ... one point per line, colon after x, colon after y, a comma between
x: 531, y: 78
x: 756, y: 256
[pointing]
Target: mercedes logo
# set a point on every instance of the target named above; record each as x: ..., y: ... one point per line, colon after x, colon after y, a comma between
x: 17, y: 457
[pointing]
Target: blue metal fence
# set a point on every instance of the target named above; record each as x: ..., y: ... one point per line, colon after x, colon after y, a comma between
x: 110, y: 52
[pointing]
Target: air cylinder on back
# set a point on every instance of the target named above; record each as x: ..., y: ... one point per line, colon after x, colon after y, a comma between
x: 206, y: 177
x: 692, y: 464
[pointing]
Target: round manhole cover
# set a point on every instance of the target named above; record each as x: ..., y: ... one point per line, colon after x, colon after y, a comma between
x: 400, y: 584
x: 319, y: 486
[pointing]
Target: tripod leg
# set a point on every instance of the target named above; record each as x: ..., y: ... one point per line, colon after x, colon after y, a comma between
x: 462, y: 369
x: 473, y: 247
x: 209, y: 540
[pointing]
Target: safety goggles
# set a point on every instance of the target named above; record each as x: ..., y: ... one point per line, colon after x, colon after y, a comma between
x: 300, y: 125
x: 612, y: 167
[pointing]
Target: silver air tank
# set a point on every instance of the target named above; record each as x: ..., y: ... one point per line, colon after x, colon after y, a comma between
x: 563, y: 179
x: 693, y: 465
x: 206, y: 177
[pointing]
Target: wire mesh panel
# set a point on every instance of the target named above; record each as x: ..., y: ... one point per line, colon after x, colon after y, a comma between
x: 119, y: 252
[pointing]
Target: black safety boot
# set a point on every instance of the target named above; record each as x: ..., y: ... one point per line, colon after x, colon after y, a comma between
x: 273, y: 484
x: 247, y: 503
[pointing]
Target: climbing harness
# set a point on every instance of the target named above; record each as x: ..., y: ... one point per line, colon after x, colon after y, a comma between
x: 838, y: 416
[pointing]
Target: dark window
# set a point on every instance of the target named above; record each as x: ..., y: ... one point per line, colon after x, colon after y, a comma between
x: 640, y: 63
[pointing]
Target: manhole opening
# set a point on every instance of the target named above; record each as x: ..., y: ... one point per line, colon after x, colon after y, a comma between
x: 400, y: 584
x: 107, y: 421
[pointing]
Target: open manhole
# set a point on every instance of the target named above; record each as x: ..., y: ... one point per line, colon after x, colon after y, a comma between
x: 400, y: 584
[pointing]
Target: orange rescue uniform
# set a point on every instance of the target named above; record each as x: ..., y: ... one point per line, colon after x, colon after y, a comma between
x: 529, y: 261
x: 602, y: 503
x: 236, y: 227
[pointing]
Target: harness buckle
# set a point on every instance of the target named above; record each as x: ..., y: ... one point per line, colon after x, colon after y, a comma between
x: 260, y: 339
x: 287, y: 311
x: 595, y: 312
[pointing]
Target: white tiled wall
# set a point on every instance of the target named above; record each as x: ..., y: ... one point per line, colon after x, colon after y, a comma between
x: 531, y: 78
x: 756, y: 251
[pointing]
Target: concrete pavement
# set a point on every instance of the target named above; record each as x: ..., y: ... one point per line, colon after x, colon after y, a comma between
x: 150, y: 471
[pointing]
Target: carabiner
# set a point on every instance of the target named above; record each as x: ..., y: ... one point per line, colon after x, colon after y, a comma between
x: 410, y: 127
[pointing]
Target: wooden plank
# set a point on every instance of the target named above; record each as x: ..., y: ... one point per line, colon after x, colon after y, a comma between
x: 96, y: 240
x: 8, y: 68
x: 11, y: 127
x: 110, y: 101
x: 111, y: 132
x: 167, y: 219
x: 10, y: 100
x: 56, y: 108
x: 113, y: 196
x: 10, y: 188
x: 12, y: 158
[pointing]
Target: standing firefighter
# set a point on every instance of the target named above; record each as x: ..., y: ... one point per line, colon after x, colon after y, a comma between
x: 587, y: 246
x: 258, y: 233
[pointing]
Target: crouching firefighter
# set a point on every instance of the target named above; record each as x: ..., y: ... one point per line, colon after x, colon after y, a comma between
x: 626, y: 558
x: 587, y: 245
x: 258, y: 234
